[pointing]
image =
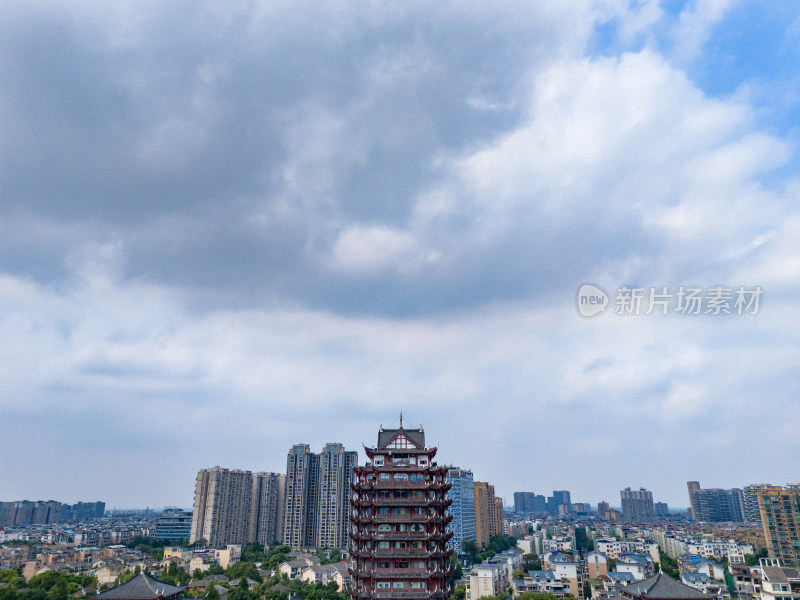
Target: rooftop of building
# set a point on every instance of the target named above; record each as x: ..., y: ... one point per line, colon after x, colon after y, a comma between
x: 661, y: 586
x: 141, y: 587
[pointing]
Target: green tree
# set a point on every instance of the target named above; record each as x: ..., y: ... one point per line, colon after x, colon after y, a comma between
x: 243, y: 569
x: 460, y: 592
x: 212, y: 593
x: 531, y: 562
x: 670, y: 566
x: 470, y: 548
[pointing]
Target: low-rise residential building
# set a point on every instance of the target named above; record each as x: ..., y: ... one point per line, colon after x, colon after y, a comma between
x: 541, y: 582
x: 596, y: 564
x: 487, y: 579
x: 777, y: 581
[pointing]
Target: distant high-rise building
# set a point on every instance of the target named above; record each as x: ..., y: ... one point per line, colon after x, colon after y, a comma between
x: 42, y: 512
x: 692, y: 487
x: 399, y: 521
x: 266, y: 508
x: 221, y: 512
x: 602, y: 508
x: 462, y: 493
x: 716, y: 505
x: 661, y: 509
x: 637, y: 506
x: 523, y: 502
x: 174, y: 524
x: 560, y: 498
x: 752, y: 513
x: 780, y: 519
x: 334, y: 476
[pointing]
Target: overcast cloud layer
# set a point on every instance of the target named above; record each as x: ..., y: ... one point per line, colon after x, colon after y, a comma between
x: 230, y: 227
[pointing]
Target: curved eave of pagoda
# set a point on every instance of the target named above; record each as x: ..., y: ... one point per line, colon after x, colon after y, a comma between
x: 429, y: 452
x: 370, y: 467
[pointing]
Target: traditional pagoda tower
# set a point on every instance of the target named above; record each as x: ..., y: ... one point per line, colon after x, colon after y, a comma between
x: 398, y: 521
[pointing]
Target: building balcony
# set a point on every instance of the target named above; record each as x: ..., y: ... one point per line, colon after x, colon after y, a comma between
x: 394, y: 574
x: 417, y: 519
x: 405, y: 594
x: 399, y: 553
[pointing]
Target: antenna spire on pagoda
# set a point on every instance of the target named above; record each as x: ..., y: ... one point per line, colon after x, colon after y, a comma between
x: 401, y: 419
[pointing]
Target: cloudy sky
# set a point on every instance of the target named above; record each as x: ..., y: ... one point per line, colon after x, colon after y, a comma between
x: 229, y: 227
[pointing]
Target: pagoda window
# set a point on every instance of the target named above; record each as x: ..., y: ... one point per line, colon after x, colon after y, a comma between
x: 382, y: 585
x: 418, y: 584
x: 401, y: 510
x: 401, y: 477
x: 398, y: 584
x: 401, y: 527
x: 383, y: 510
x: 383, y: 545
x: 383, y: 564
x: 384, y: 527
x: 418, y: 564
x: 384, y: 477
x: 417, y: 477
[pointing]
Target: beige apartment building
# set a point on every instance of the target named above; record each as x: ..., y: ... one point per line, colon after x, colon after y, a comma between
x: 236, y: 507
x: 780, y: 519
x: 488, y: 513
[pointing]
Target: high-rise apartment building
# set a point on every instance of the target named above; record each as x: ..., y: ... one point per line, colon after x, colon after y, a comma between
x: 488, y: 513
x: 716, y: 505
x: 498, y: 521
x: 462, y: 494
x: 637, y: 506
x: 316, y: 505
x: 299, y: 526
x: 399, y: 521
x: 27, y: 512
x: 221, y: 512
x: 523, y: 502
x: 602, y: 508
x: 266, y: 508
x: 334, y: 476
x: 529, y: 502
x: 692, y: 487
x: 780, y: 519
x: 752, y: 513
x: 559, y: 502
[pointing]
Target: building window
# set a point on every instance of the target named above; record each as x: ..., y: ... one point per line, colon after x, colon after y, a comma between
x: 382, y: 585
x: 398, y: 584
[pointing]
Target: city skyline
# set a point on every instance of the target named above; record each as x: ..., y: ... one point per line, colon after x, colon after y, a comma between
x: 230, y: 230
